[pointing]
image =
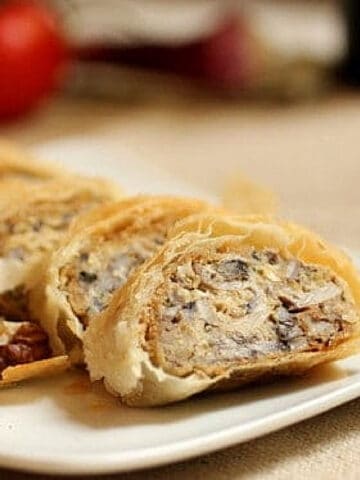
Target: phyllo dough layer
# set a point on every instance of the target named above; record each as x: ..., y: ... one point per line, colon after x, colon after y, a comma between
x: 31, y: 227
x: 102, y: 250
x: 227, y: 301
x: 19, y: 169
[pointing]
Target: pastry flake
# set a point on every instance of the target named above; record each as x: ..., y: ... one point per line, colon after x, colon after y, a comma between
x: 101, y: 252
x: 226, y: 302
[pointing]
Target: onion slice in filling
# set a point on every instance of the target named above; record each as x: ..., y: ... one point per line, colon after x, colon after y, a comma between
x: 227, y: 301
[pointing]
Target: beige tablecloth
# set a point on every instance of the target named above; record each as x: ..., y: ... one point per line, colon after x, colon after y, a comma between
x: 310, y: 155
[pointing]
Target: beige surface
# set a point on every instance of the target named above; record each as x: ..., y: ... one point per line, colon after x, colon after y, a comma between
x: 311, y: 156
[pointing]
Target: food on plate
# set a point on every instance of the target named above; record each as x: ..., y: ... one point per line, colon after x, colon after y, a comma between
x: 162, y: 297
x: 25, y: 352
x: 32, y: 226
x: 227, y: 301
x: 34, y: 216
x: 19, y: 168
x: 103, y: 248
x: 38, y: 204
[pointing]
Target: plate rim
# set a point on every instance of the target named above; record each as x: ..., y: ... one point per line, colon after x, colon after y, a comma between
x: 132, y: 460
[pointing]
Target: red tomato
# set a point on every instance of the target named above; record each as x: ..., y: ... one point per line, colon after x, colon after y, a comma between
x: 32, y: 54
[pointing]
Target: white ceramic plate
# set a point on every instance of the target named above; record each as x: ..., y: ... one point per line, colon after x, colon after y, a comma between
x: 64, y: 425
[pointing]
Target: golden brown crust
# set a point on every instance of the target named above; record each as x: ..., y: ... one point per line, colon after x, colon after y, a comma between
x: 121, y: 221
x: 290, y: 237
x: 116, y: 344
x: 42, y: 368
x: 33, y: 220
x: 296, y: 366
x: 108, y: 213
x: 30, y: 228
x: 19, y: 171
x: 31, y: 191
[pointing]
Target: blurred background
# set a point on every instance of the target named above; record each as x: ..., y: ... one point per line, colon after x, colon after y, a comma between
x: 262, y: 49
x: 202, y: 88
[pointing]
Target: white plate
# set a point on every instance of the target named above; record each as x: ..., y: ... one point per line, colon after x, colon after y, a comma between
x: 64, y: 425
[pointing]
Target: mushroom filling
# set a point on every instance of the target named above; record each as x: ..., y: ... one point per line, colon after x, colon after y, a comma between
x: 31, y: 233
x: 25, y: 238
x: 236, y: 309
x: 91, y: 279
x: 22, y: 343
